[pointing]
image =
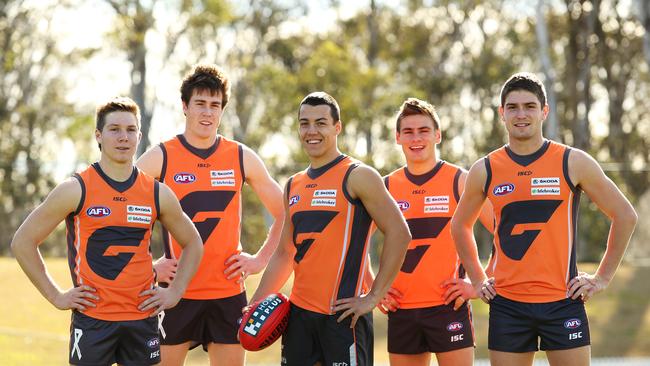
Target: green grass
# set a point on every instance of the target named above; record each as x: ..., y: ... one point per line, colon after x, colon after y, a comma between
x: 33, y: 332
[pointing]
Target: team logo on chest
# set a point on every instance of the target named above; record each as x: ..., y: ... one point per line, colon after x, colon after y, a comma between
x: 184, y: 178
x: 324, y: 197
x: 503, y: 189
x: 98, y: 211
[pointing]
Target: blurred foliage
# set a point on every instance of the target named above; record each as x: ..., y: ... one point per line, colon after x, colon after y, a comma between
x: 455, y: 54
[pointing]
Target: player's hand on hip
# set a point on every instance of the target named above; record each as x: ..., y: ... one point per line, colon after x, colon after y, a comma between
x: 165, y: 269
x: 584, y: 286
x: 77, y: 298
x: 242, y: 265
x: 355, y: 307
x: 459, y: 291
x: 390, y: 302
x: 485, y: 290
x: 158, y: 299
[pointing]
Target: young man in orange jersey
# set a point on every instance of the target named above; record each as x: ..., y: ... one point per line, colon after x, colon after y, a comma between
x: 537, y: 297
x: 329, y: 210
x: 426, y: 305
x: 207, y: 171
x: 110, y: 209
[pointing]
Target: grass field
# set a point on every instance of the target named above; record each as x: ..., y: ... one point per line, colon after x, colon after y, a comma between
x: 32, y: 332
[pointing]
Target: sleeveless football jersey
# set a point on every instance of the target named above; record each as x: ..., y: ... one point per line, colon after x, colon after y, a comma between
x: 208, y: 184
x: 427, y: 203
x: 535, y: 208
x: 331, y: 236
x: 108, y: 241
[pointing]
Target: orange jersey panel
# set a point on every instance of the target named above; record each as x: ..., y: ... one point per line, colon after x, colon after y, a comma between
x: 535, y: 209
x: 208, y: 185
x: 427, y: 202
x: 108, y: 242
x: 331, y: 235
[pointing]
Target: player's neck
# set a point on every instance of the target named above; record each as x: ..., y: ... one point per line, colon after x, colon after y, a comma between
x: 319, y: 161
x: 119, y: 172
x: 421, y: 167
x: 198, y: 141
x: 527, y: 146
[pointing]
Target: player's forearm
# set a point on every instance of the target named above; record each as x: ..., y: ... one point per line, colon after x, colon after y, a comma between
x: 620, y: 232
x: 391, y: 260
x: 276, y: 274
x: 468, y: 252
x: 271, y: 243
x: 30, y: 260
x: 187, y: 266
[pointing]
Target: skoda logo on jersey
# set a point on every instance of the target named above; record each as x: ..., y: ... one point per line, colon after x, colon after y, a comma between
x: 503, y: 189
x: 455, y: 326
x: 184, y: 178
x: 153, y: 342
x: 403, y: 205
x: 293, y: 200
x: 572, y: 323
x: 98, y: 211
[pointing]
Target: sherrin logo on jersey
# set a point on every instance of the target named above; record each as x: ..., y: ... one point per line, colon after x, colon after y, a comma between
x: 184, y: 178
x: 98, y: 211
x: 572, y: 323
x: 293, y: 200
x: 503, y: 189
x: 403, y: 205
x: 455, y: 326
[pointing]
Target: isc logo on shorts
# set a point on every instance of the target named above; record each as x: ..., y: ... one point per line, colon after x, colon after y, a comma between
x: 98, y: 211
x: 184, y: 178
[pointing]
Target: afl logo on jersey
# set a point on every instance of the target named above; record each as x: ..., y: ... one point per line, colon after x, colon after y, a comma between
x: 455, y: 326
x: 293, y: 200
x: 503, y: 189
x: 572, y: 323
x: 184, y: 178
x: 98, y: 211
x: 403, y: 205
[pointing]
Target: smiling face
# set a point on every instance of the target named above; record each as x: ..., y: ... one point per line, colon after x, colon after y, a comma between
x: 418, y: 137
x: 523, y: 115
x: 119, y: 137
x: 318, y: 133
x: 203, y: 115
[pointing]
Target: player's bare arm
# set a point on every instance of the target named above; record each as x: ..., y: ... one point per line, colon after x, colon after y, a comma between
x: 151, y: 163
x: 460, y: 290
x: 462, y: 224
x: 182, y: 229
x: 269, y: 192
x: 365, y: 184
x: 62, y: 201
x: 281, y: 263
x: 585, y: 173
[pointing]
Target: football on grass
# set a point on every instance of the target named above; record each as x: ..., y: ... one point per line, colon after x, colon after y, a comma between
x: 265, y: 322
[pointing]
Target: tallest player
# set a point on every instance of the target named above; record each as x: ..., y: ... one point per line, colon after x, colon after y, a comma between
x: 534, y: 185
x: 207, y: 171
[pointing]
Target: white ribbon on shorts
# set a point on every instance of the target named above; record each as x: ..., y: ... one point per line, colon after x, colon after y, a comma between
x: 75, y: 347
x: 161, y: 316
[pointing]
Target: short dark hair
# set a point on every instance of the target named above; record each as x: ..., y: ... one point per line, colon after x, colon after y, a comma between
x: 206, y: 77
x: 322, y: 98
x: 413, y: 106
x: 116, y: 104
x: 524, y: 81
